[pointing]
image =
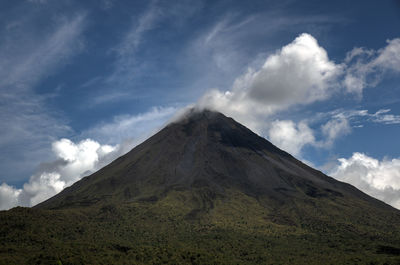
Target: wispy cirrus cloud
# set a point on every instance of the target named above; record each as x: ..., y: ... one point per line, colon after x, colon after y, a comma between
x: 126, y: 50
x: 134, y: 128
x: 224, y: 45
x: 359, y: 117
x: 38, y: 1
x: 107, y: 4
x: 128, y: 65
x: 366, y: 67
x: 27, y: 58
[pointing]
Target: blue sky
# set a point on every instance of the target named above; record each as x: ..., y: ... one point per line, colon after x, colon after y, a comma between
x: 82, y: 82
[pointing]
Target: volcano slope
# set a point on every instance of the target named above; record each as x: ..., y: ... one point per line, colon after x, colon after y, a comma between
x: 204, y: 190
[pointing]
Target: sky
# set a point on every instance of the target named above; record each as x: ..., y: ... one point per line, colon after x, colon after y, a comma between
x: 83, y: 82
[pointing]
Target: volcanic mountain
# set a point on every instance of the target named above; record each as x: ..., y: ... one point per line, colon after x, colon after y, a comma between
x: 207, y: 154
x: 204, y: 190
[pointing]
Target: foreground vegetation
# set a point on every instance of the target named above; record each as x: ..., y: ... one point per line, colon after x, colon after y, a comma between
x: 191, y: 228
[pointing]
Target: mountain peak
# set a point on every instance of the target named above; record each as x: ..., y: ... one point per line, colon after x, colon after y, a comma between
x: 222, y: 130
x: 203, y: 150
x: 205, y: 113
x: 195, y: 115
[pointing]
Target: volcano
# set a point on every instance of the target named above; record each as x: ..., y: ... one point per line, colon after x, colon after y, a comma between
x: 207, y: 154
x: 204, y: 190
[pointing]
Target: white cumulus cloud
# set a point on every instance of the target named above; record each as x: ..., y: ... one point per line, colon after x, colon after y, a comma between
x: 380, y: 179
x: 289, y: 136
x: 8, y: 196
x: 300, y: 73
x: 292, y: 137
x: 74, y: 160
x: 78, y: 159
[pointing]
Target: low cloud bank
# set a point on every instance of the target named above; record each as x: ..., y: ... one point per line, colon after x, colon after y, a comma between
x: 74, y: 160
x: 380, y: 179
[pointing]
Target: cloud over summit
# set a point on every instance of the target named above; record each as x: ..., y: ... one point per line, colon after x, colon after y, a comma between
x: 298, y: 74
